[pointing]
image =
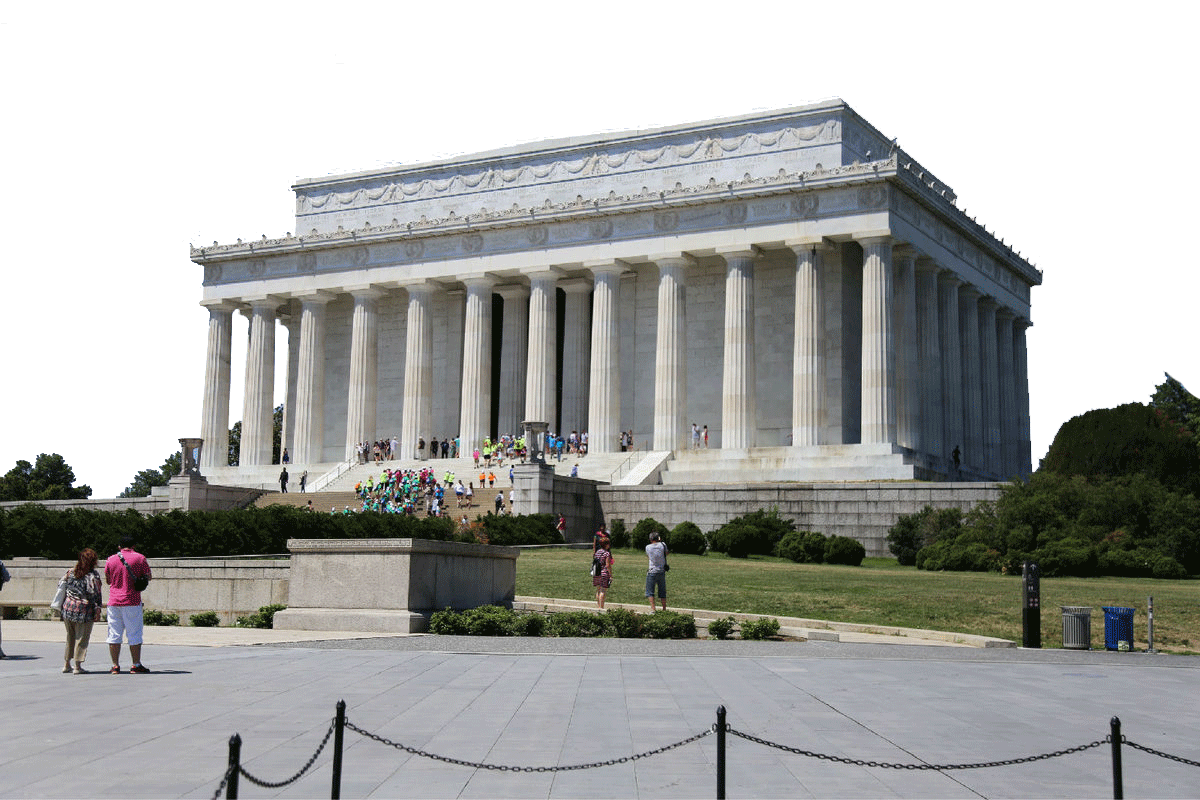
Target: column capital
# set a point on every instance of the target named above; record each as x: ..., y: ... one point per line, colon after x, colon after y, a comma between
x: 675, y: 259
x: 969, y: 292
x: 1005, y: 314
x: 883, y: 237
x: 513, y: 291
x: 750, y: 252
x: 546, y: 274
x: 221, y: 305
x: 904, y: 250
x: 576, y: 285
x: 366, y: 291
x: 805, y: 244
x: 988, y: 303
x: 606, y: 265
x: 271, y: 301
x: 483, y: 280
x: 927, y: 264
x: 950, y: 278
x: 317, y: 296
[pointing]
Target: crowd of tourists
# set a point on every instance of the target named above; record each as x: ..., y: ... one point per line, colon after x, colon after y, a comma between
x: 420, y: 491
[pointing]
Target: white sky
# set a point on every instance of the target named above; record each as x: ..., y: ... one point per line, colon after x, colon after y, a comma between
x: 132, y: 130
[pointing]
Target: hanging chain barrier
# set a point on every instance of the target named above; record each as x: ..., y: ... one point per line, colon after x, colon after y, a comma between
x: 858, y: 762
x: 1160, y: 753
x: 229, y: 782
x: 514, y: 768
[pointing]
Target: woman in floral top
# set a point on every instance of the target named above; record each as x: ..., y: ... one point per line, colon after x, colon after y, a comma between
x: 81, y: 608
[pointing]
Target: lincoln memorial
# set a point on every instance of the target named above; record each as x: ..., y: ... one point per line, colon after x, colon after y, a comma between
x: 791, y: 279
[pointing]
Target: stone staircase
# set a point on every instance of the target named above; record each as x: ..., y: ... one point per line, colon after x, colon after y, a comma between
x: 845, y: 462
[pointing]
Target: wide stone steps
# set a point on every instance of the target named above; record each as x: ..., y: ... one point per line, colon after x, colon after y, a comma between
x: 787, y: 464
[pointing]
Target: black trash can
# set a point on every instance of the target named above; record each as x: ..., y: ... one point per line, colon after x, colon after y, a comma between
x: 1077, y: 627
x: 1118, y: 628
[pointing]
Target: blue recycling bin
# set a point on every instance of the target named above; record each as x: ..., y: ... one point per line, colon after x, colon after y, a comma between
x: 1118, y: 628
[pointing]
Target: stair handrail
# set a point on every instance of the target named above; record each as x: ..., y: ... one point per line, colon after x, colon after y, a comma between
x: 329, y: 477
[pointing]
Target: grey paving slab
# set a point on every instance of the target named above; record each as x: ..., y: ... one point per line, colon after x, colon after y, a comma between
x: 561, y: 702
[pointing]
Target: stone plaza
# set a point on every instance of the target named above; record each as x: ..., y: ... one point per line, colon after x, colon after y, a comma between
x: 793, y: 280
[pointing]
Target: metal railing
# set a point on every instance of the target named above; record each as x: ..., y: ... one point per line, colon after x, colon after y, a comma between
x: 337, y: 727
x: 329, y: 477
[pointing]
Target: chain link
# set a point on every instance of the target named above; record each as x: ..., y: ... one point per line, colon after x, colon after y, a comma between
x: 224, y: 781
x: 296, y: 777
x: 507, y: 768
x: 937, y: 767
x: 1159, y: 753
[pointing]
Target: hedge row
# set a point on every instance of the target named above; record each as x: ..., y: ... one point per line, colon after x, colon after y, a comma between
x: 34, y: 530
x: 617, y: 623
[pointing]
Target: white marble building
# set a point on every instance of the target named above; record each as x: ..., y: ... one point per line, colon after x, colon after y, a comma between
x: 789, y: 279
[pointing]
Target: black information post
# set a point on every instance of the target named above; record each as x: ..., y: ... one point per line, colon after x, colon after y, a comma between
x: 1031, y: 605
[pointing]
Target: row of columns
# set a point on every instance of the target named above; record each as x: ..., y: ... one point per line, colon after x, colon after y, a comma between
x: 942, y: 367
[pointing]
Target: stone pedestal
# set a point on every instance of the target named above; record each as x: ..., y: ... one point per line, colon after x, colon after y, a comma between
x: 391, y: 585
x: 534, y: 488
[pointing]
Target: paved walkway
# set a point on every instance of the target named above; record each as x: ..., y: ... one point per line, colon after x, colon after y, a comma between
x: 548, y: 702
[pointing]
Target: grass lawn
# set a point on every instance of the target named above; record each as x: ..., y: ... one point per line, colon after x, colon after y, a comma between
x: 879, y: 592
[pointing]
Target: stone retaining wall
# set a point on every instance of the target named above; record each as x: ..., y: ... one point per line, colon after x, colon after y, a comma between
x: 862, y: 511
x: 184, y: 586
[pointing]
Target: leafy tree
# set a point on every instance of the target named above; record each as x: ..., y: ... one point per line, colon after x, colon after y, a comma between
x: 48, y: 478
x: 1132, y: 439
x: 1178, y: 405
x: 147, y: 479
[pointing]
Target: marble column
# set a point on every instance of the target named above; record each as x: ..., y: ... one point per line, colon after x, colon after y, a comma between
x: 416, y: 417
x: 878, y: 345
x: 364, y: 368
x: 541, y: 373
x: 989, y: 385
x: 514, y: 346
x: 952, y: 379
x: 214, y: 418
x: 1006, y: 384
x: 670, y: 354
x: 904, y: 318
x: 604, y: 386
x: 290, y: 319
x: 739, y: 407
x: 475, y: 422
x: 972, y: 388
x: 929, y: 355
x: 1024, y: 462
x: 808, y: 354
x: 576, y: 354
x: 448, y: 369
x: 258, y: 411
x: 309, y: 437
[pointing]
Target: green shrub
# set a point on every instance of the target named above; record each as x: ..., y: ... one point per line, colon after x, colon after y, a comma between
x: 739, y: 539
x: 721, y: 628
x: 669, y: 625
x: 844, y: 550
x: 152, y: 616
x: 618, y: 534
x: 623, y: 623
x: 1067, y: 557
x: 488, y: 621
x: 205, y: 619
x: 263, y: 618
x: 527, y: 624
x: 914, y: 531
x: 23, y: 612
x: 760, y: 628
x: 447, y: 622
x: 688, y: 539
x: 641, y: 533
x: 803, y: 547
x: 527, y: 529
x: 577, y: 624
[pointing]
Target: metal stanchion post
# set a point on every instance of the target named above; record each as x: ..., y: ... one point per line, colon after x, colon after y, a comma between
x: 1118, y: 784
x: 339, y: 729
x: 1150, y: 624
x: 235, y: 766
x: 720, y: 752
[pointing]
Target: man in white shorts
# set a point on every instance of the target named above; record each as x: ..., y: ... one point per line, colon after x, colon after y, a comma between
x: 125, y: 604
